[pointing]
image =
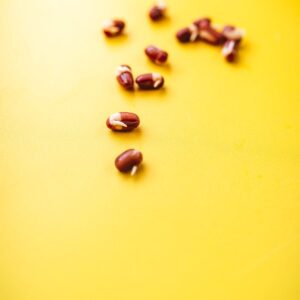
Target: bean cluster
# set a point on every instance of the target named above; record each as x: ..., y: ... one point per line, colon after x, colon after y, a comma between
x: 229, y: 37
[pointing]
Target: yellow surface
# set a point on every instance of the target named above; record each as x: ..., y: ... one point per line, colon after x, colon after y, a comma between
x: 214, y: 213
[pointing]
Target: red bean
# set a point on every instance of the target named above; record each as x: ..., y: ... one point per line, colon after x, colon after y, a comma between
x: 125, y: 77
x: 210, y: 35
x: 113, y: 28
x: 150, y: 81
x: 157, y: 55
x: 188, y: 34
x: 229, y: 50
x: 129, y: 161
x: 157, y: 12
x: 233, y: 33
x: 202, y: 23
x: 123, y: 121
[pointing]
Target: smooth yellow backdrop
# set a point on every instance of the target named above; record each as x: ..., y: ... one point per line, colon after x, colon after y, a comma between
x: 214, y: 212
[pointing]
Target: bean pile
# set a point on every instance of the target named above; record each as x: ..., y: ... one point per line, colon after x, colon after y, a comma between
x: 228, y: 37
x: 202, y: 29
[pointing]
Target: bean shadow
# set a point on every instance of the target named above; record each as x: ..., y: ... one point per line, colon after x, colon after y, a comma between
x: 165, y: 21
x: 129, y: 136
x: 117, y: 40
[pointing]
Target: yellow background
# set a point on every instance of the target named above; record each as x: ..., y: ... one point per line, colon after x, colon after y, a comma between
x: 214, y: 212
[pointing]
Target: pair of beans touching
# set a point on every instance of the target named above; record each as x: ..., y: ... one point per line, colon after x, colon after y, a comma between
x: 148, y: 81
x: 229, y: 37
x: 129, y: 160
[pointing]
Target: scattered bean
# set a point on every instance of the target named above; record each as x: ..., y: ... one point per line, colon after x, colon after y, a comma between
x: 202, y: 23
x: 123, y: 121
x: 188, y: 34
x: 211, y: 36
x: 233, y: 33
x: 229, y: 50
x: 125, y: 77
x: 150, y: 81
x: 233, y: 38
x: 157, y: 12
x: 156, y: 55
x: 129, y: 161
x: 112, y: 28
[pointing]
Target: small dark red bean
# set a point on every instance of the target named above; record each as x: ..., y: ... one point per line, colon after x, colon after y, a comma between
x: 229, y: 50
x: 211, y: 36
x: 123, y: 121
x: 233, y: 33
x: 188, y: 34
x: 125, y: 77
x: 202, y: 23
x: 156, y: 55
x: 112, y: 28
x: 129, y: 161
x: 150, y: 81
x: 183, y: 35
x: 157, y: 12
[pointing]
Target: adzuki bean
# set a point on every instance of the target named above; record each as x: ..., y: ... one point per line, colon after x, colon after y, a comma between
x: 207, y: 32
x: 157, y: 12
x: 150, y: 81
x: 125, y: 77
x: 210, y: 35
x: 233, y: 33
x: 229, y: 50
x: 233, y: 36
x: 112, y: 28
x: 188, y: 34
x: 123, y: 121
x: 129, y: 161
x: 157, y: 55
x: 202, y: 23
